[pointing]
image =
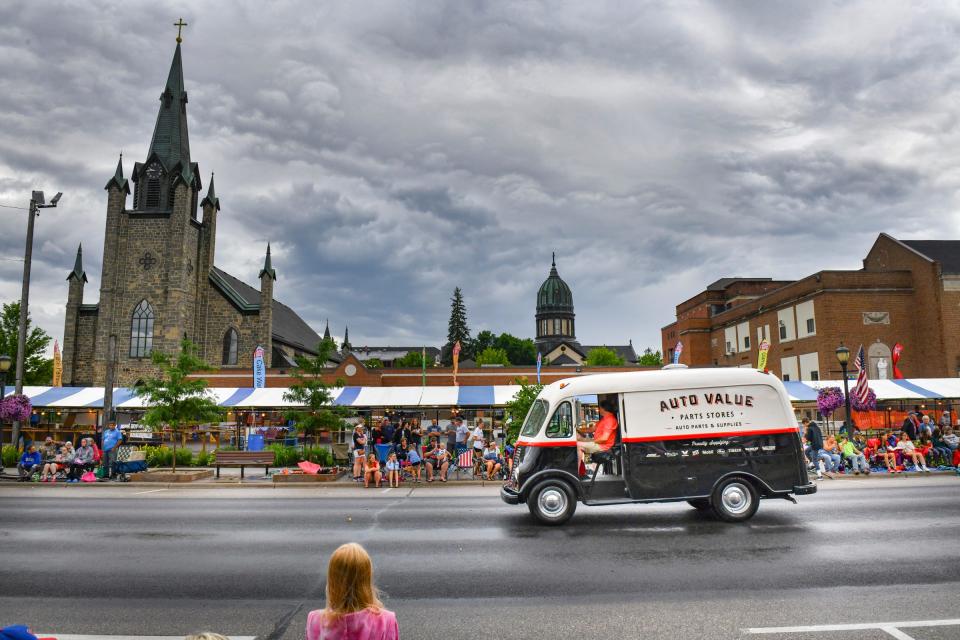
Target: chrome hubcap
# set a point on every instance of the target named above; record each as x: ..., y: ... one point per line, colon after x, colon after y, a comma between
x: 735, y: 498
x: 552, y: 502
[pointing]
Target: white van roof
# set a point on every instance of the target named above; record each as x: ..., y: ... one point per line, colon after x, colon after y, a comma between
x: 663, y: 379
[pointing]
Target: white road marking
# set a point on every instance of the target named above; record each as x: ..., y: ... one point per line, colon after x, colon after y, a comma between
x: 97, y: 637
x: 896, y: 633
x: 140, y: 493
x: 889, y: 627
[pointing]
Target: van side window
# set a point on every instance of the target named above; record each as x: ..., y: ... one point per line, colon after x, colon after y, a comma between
x: 561, y: 424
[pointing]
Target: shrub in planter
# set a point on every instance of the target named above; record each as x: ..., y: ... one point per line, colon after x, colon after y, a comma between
x: 184, y: 457
x: 10, y: 456
x: 318, y: 455
x: 203, y: 459
x: 159, y: 456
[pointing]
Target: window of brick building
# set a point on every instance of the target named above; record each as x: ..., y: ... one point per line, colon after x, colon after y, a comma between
x: 811, y: 326
x: 230, y: 343
x: 141, y: 330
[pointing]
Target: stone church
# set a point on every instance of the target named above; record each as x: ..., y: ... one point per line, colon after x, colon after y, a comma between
x: 556, y: 326
x: 159, y: 280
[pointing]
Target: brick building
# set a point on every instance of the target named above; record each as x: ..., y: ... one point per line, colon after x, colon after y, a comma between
x: 159, y: 281
x: 908, y: 291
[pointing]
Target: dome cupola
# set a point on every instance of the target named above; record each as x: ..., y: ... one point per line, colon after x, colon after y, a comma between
x: 555, y: 316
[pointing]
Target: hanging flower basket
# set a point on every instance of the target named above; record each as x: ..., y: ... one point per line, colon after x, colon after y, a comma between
x: 15, y: 407
x: 869, y: 405
x: 829, y: 399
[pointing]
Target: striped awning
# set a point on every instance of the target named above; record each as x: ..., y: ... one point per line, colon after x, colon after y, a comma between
x: 461, y: 396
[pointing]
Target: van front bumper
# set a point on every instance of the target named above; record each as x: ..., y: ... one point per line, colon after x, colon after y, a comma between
x: 509, y: 496
x: 805, y: 489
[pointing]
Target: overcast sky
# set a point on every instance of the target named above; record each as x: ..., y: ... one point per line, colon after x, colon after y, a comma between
x: 392, y: 151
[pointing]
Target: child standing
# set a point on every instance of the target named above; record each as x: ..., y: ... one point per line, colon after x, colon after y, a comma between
x: 353, y: 609
x: 414, y: 461
x: 393, y: 470
x: 358, y: 458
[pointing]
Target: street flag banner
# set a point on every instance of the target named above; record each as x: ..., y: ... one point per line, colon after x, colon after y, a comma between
x: 423, y: 366
x: 259, y: 369
x: 897, y: 350
x: 539, y: 364
x: 465, y: 459
x: 456, y: 361
x: 677, y: 350
x: 762, y: 357
x: 57, y: 365
x: 862, y: 389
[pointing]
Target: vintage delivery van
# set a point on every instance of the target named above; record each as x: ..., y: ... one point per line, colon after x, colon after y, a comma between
x: 720, y: 439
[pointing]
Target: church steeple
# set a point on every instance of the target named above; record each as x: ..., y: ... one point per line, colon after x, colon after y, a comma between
x: 326, y: 332
x: 78, y: 273
x: 268, y: 266
x: 170, y: 141
x: 118, y: 180
x: 346, y: 346
x: 211, y: 197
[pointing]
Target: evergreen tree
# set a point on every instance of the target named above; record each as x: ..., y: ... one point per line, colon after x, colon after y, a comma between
x: 457, y: 330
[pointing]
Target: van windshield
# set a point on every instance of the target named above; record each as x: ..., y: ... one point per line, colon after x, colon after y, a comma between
x: 534, y: 418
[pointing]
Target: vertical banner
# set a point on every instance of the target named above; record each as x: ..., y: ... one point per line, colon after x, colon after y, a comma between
x: 423, y: 366
x: 677, y: 350
x: 57, y: 365
x: 539, y: 364
x: 259, y: 369
x: 456, y: 361
x: 897, y: 350
x: 762, y: 356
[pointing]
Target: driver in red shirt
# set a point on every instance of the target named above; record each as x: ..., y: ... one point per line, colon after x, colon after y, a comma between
x: 604, y: 434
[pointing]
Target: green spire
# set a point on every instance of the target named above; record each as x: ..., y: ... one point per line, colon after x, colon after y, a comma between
x: 326, y: 332
x: 268, y: 266
x: 211, y: 197
x: 78, y: 271
x: 118, y: 179
x: 170, y: 141
x: 346, y: 346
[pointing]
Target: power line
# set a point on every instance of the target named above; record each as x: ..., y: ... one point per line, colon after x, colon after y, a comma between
x: 7, y: 206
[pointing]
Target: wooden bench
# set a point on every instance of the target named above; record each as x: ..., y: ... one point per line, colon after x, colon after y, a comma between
x: 243, y: 459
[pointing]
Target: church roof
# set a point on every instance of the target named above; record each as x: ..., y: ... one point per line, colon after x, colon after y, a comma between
x: 170, y: 141
x: 946, y: 252
x: 554, y: 293
x: 288, y: 327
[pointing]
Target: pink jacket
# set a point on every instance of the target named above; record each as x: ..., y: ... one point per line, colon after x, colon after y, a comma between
x: 361, y: 625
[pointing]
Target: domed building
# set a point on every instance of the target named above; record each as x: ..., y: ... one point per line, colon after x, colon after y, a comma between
x: 556, y: 325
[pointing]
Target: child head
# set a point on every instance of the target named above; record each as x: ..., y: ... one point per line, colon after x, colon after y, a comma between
x: 412, y: 447
x: 392, y: 457
x: 350, y: 582
x: 371, y: 458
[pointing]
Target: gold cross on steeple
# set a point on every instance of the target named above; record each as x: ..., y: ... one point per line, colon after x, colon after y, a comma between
x: 179, y: 25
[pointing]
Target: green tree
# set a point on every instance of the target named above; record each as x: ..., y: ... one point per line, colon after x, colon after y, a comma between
x: 492, y: 355
x: 518, y: 408
x: 520, y: 351
x: 603, y: 357
x: 311, y: 392
x: 413, y: 360
x: 484, y: 340
x: 373, y: 363
x: 651, y: 358
x: 457, y: 329
x: 37, y: 367
x: 173, y: 398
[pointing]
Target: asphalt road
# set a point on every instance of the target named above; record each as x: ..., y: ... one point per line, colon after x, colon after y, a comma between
x: 455, y: 562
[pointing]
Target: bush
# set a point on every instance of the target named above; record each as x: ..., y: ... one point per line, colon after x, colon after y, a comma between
x: 318, y: 455
x: 203, y: 459
x: 10, y: 457
x: 284, y: 456
x: 159, y: 456
x: 184, y: 457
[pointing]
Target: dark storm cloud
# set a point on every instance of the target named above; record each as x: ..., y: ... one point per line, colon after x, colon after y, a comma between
x: 392, y: 151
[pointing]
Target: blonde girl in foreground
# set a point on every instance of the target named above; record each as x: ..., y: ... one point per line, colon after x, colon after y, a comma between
x: 354, y: 610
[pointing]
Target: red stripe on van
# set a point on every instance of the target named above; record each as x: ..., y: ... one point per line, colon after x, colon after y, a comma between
x: 723, y: 434
x: 568, y: 443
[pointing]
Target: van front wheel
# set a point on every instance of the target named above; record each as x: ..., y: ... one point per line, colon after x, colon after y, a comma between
x: 552, y: 502
x: 735, y: 500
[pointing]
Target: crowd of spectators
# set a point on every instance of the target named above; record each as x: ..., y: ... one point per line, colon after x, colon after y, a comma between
x: 53, y: 461
x: 917, y: 445
x: 408, y: 451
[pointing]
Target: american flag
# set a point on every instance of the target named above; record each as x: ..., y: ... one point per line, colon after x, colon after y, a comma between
x: 862, y: 388
x: 465, y: 459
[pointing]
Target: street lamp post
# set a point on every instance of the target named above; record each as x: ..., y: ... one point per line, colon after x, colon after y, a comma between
x: 4, y: 367
x: 843, y: 357
x: 37, y: 201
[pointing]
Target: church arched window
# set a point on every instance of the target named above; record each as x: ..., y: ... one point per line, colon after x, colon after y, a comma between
x: 230, y: 344
x: 141, y: 330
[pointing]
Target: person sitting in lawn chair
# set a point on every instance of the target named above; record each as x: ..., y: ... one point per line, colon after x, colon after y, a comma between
x: 30, y: 463
x: 439, y: 459
x: 492, y: 460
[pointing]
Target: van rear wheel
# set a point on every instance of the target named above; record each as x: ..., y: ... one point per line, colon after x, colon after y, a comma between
x: 552, y: 502
x: 735, y: 500
x: 700, y: 504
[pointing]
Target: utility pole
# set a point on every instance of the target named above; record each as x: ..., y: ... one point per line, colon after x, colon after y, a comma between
x: 108, y: 382
x: 37, y: 201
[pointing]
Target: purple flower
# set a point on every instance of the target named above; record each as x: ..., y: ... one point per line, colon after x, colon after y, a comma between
x: 15, y: 407
x: 829, y: 399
